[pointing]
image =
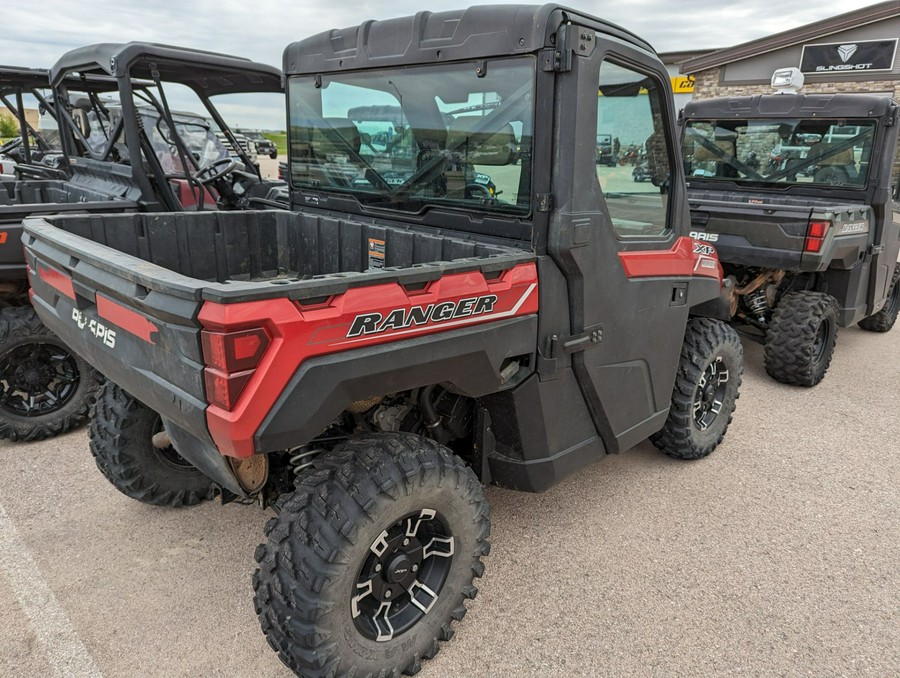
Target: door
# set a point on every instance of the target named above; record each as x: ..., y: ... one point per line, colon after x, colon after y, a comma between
x: 615, y: 237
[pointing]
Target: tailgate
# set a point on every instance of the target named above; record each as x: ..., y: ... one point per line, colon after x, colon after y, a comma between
x: 134, y: 321
x: 764, y: 235
x: 774, y: 235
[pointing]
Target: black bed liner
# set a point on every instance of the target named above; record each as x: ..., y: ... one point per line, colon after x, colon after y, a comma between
x: 231, y: 257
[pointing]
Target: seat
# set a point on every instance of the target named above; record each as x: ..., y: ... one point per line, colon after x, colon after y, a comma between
x: 841, y: 158
x: 469, y: 148
x: 834, y: 168
x: 327, y: 140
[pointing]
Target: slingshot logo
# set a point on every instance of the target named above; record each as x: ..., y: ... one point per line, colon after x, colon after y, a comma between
x: 846, y: 51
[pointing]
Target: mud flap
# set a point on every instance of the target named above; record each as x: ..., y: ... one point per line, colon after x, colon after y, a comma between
x: 205, y: 457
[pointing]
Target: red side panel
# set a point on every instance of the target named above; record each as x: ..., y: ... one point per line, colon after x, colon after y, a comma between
x: 59, y: 281
x: 687, y: 258
x: 299, y: 332
x: 128, y: 320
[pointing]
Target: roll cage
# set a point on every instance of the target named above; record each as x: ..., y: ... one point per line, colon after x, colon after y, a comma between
x: 141, y: 72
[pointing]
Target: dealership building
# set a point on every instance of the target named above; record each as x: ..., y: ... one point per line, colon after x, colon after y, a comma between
x: 852, y: 52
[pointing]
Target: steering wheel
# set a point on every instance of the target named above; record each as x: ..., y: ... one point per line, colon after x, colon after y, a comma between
x: 474, y: 190
x: 215, y: 170
x: 11, y: 145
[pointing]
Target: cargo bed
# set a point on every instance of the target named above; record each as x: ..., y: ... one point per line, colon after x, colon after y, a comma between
x: 132, y: 292
x: 20, y: 199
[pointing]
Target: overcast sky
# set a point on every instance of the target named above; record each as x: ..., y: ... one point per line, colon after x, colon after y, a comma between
x: 260, y: 29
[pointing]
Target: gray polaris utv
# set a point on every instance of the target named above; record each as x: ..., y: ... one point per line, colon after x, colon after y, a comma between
x: 798, y: 193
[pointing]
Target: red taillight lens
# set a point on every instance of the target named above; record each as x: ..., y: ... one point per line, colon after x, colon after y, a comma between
x: 225, y: 389
x: 815, y: 235
x: 231, y: 359
x: 234, y: 351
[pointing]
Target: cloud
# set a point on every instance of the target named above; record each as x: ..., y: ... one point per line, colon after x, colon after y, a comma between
x: 260, y: 29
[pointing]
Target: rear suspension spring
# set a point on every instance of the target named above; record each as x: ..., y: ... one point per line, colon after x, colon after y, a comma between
x: 302, y: 458
x: 757, y: 303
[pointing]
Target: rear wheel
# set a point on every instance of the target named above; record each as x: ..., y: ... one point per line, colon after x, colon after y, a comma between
x: 801, y: 338
x: 706, y: 387
x: 121, y: 435
x: 371, y: 558
x: 884, y: 320
x: 45, y: 389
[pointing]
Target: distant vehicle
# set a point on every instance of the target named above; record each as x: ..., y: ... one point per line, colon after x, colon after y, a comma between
x: 605, y: 155
x: 263, y: 144
x: 246, y: 145
x: 642, y: 173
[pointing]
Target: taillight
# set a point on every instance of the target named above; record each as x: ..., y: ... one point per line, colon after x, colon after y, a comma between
x: 815, y: 235
x: 231, y: 358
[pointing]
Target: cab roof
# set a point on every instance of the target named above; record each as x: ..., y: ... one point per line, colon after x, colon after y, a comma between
x: 434, y: 37
x: 790, y: 106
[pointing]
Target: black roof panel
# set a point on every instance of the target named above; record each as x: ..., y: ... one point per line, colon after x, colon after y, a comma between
x: 790, y: 106
x: 433, y: 37
x: 206, y: 72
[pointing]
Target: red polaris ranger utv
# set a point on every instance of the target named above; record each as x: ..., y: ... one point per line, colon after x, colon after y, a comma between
x: 459, y: 296
x: 111, y: 144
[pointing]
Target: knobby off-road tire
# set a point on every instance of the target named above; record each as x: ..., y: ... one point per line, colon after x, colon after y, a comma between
x: 707, y: 385
x: 45, y: 389
x: 884, y: 320
x: 337, y: 544
x: 801, y: 338
x: 120, y: 438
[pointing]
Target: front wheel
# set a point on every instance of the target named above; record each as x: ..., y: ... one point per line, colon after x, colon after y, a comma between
x: 371, y: 558
x: 121, y: 439
x: 801, y: 338
x: 45, y: 389
x: 706, y: 387
x: 884, y: 320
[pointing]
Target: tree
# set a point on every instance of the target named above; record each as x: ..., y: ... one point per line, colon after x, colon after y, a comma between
x: 8, y: 126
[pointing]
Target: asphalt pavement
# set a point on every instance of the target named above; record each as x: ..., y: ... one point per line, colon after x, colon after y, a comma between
x: 777, y: 555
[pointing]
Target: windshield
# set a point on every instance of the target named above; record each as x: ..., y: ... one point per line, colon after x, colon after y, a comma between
x: 453, y: 135
x: 194, y: 132
x: 780, y: 151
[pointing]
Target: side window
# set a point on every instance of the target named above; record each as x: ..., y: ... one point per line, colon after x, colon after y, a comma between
x: 632, y: 151
x: 895, y: 174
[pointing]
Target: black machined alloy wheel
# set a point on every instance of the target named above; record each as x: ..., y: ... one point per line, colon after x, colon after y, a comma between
x: 371, y: 558
x: 403, y: 575
x: 121, y: 436
x: 37, y: 379
x: 884, y: 320
x: 801, y: 338
x: 711, y: 393
x: 45, y: 389
x: 707, y: 386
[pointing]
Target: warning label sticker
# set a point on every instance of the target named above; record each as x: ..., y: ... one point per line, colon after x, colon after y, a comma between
x: 376, y: 253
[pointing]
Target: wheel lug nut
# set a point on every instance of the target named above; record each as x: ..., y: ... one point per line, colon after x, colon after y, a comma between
x: 406, y: 542
x: 387, y: 593
x: 378, y: 567
x: 415, y: 568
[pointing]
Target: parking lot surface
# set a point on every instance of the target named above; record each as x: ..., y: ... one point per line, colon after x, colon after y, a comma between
x: 777, y: 555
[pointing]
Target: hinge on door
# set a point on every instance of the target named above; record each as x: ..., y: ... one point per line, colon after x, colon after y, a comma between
x: 544, y: 202
x: 875, y: 249
x: 590, y: 338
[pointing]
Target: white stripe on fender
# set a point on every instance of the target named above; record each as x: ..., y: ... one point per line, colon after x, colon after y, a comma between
x: 454, y: 323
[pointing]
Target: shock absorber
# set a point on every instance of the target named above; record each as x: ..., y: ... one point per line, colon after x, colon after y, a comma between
x: 757, y: 303
x: 302, y: 458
